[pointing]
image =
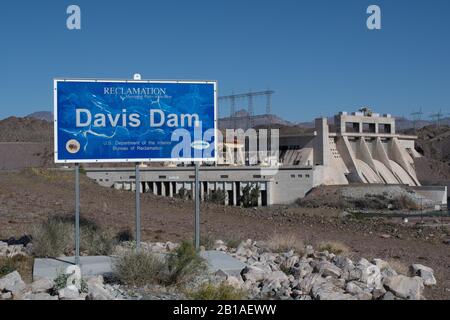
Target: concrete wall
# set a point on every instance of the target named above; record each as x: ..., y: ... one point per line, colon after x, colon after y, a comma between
x: 285, y: 185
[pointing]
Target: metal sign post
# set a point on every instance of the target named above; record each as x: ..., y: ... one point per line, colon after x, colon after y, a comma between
x: 77, y: 214
x: 138, y: 208
x: 197, y: 206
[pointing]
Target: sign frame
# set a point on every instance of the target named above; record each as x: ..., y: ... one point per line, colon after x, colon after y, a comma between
x: 133, y: 160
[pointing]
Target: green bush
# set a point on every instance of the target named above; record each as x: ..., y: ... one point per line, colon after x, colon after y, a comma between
x: 217, y: 197
x: 61, y: 282
x: 250, y: 195
x: 223, y: 291
x: 139, y: 268
x: 184, y: 194
x: 56, y: 237
x: 184, y: 264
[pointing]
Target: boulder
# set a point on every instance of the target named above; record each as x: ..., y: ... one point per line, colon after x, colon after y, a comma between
x: 378, y: 293
x: 253, y: 274
x: 42, y: 285
x: 389, y: 296
x: 97, y: 291
x: 325, y: 290
x: 68, y: 294
x: 328, y: 269
x: 302, y: 269
x: 388, y: 272
x: 307, y: 283
x: 369, y: 274
x: 39, y: 296
x: 275, y: 282
x: 170, y: 246
x: 426, y: 273
x: 405, y: 287
x: 6, y: 296
x: 343, y: 262
x: 12, y: 282
x: 359, y: 289
x: 291, y: 261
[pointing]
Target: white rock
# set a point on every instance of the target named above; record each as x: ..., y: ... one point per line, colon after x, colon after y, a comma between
x: 42, y: 285
x: 6, y: 296
x: 426, y: 273
x: 378, y: 293
x: 360, y: 289
x: 253, y: 274
x: 302, y: 269
x: 291, y: 261
x: 370, y: 274
x: 12, y: 282
x: 324, y: 290
x: 170, y: 246
x: 97, y: 291
x: 328, y: 269
x: 405, y: 287
x: 39, y: 296
x: 68, y: 294
x: 306, y: 284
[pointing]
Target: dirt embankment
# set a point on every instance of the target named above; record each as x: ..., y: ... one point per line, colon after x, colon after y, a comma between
x: 30, y: 196
x: 434, y: 144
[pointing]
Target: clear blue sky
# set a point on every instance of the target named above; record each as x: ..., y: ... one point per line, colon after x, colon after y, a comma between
x: 317, y: 55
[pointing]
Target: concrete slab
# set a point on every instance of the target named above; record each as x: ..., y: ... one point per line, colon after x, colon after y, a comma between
x: 218, y: 260
x: 90, y: 266
x: 102, y: 265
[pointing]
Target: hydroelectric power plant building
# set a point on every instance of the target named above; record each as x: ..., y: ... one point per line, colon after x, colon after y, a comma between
x: 360, y: 148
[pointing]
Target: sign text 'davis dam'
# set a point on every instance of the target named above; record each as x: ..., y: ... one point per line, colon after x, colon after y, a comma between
x: 119, y: 121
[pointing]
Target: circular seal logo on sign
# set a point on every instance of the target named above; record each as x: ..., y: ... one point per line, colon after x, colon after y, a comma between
x: 73, y: 146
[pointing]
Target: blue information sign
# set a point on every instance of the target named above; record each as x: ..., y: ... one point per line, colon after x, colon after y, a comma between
x: 137, y: 121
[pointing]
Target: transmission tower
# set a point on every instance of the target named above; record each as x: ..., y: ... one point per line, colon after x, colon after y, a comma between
x: 437, y: 117
x: 417, y: 116
x: 249, y: 96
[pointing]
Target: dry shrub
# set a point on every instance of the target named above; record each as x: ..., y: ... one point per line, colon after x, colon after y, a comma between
x: 139, y: 268
x: 334, y: 247
x: 223, y: 291
x: 22, y: 264
x: 283, y: 242
x: 56, y: 237
x: 184, y: 264
x: 207, y: 241
x: 233, y: 241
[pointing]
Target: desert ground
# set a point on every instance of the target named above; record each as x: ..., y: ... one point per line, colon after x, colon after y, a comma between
x: 32, y: 195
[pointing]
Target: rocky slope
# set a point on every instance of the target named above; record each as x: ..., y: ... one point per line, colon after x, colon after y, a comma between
x: 269, y: 274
